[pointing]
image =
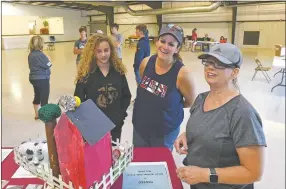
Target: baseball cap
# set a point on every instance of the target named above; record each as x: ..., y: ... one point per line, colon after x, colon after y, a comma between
x: 226, y: 53
x: 174, y: 30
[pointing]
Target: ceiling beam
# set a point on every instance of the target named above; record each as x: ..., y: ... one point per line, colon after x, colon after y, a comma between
x: 156, y: 5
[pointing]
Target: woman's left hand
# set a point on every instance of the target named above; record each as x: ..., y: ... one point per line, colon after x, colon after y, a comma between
x: 193, y: 174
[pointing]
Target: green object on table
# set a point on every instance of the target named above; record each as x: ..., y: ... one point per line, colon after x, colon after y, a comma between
x: 49, y: 112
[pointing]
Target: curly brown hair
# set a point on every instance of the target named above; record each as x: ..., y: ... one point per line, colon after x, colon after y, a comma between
x: 87, y: 62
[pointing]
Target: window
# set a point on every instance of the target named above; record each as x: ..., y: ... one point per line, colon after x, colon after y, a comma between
x: 251, y: 37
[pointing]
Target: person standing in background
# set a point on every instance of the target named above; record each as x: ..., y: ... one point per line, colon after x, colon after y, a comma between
x: 80, y: 44
x: 39, y: 65
x: 118, y: 38
x: 194, y: 39
x: 142, y: 49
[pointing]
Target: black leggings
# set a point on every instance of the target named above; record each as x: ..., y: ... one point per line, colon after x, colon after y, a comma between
x: 116, y: 134
x: 41, y: 91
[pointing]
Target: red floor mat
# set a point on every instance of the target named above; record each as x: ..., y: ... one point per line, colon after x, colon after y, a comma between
x: 9, y: 168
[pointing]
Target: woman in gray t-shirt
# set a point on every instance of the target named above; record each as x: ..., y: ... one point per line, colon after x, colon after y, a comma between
x: 224, y: 140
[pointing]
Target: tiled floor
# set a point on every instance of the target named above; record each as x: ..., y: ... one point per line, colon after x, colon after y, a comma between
x: 17, y: 93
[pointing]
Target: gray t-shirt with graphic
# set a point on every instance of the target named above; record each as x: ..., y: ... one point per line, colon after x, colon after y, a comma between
x: 118, y: 38
x: 80, y: 45
x: 213, y: 136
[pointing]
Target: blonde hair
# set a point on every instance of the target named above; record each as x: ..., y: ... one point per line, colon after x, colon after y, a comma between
x: 36, y: 43
x: 87, y: 62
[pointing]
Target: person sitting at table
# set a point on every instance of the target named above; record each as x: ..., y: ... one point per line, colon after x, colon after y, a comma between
x: 194, y: 39
x: 165, y: 88
x: 222, y: 39
x: 205, y: 46
x: 224, y: 140
x: 206, y: 38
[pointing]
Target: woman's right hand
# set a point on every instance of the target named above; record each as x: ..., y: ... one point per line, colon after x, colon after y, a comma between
x: 181, y: 144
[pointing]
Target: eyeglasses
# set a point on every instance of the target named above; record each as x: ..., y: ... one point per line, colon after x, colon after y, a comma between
x: 217, y: 65
x: 175, y: 26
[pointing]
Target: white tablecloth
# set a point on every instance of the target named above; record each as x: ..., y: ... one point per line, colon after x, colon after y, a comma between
x: 15, y: 42
x: 279, y: 62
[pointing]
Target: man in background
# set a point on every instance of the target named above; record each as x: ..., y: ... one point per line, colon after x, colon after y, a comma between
x: 80, y: 44
x: 118, y: 38
x: 142, y: 49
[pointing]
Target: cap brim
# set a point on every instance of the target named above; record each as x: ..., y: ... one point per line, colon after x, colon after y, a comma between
x: 165, y: 33
x: 220, y: 58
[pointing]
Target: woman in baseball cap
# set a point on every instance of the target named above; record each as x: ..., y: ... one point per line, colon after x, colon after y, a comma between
x: 224, y: 140
x: 166, y: 88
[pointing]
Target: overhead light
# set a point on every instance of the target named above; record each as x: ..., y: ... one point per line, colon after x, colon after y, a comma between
x: 37, y: 3
x: 50, y: 4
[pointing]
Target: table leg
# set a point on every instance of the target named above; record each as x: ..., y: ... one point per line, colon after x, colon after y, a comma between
x: 278, y: 72
x: 280, y: 84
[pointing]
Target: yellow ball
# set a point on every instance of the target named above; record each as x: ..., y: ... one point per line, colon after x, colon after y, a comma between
x: 77, y: 101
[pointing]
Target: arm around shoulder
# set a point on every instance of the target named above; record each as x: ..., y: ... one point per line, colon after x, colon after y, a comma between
x: 186, y: 86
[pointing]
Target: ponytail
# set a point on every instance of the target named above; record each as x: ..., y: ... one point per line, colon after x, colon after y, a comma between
x: 177, y: 56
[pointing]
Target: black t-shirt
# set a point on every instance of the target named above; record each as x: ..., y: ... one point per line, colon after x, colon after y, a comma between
x: 111, y: 93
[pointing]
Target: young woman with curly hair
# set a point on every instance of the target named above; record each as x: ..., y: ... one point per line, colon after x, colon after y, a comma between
x: 101, y: 78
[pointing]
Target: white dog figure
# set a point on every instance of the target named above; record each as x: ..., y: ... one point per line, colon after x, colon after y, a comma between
x: 35, y: 155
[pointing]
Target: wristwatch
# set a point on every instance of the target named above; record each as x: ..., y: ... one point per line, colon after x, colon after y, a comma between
x: 213, y: 176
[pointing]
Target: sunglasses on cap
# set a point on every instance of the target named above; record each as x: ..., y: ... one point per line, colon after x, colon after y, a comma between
x: 176, y: 27
x: 217, y: 65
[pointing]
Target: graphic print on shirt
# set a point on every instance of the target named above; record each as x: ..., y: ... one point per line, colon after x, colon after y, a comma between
x: 153, y: 86
x: 107, y: 95
x: 81, y: 45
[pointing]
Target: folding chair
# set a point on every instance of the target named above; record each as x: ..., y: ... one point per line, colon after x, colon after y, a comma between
x: 127, y: 43
x: 261, y: 68
x: 187, y: 45
x: 51, y: 43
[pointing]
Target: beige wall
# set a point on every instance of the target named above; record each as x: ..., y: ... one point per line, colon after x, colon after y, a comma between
x: 56, y: 25
x: 72, y: 19
x: 271, y: 33
x: 216, y: 23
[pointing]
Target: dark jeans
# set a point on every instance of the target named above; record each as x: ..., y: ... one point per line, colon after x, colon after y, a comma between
x: 41, y: 91
x: 116, y: 134
x: 167, y: 140
x: 137, y: 76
